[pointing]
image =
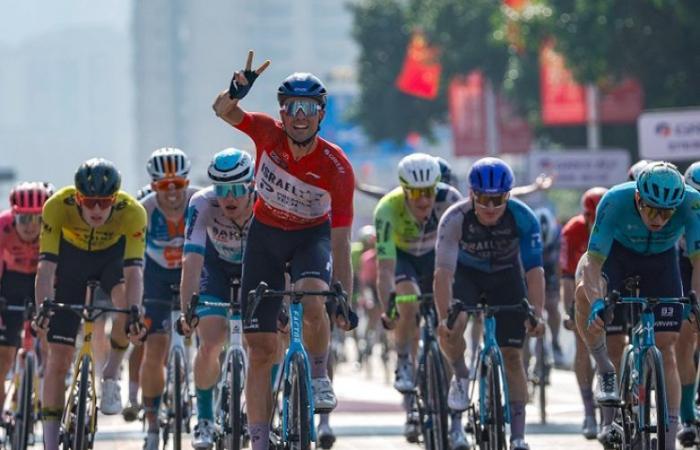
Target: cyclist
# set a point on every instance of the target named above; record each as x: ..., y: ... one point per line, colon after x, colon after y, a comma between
x: 636, y: 168
x: 485, y: 243
x: 165, y: 208
x: 303, y: 215
x: 218, y: 223
x: 636, y: 230
x: 406, y: 221
x: 19, y: 253
x: 685, y: 347
x: 574, y: 240
x: 90, y: 230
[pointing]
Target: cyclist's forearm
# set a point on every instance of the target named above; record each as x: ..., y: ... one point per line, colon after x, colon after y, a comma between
x: 385, y: 280
x: 566, y: 289
x: 192, y: 264
x: 133, y: 277
x: 695, y: 278
x: 342, y: 264
x: 535, y: 289
x: 43, y: 284
x: 593, y: 278
x: 442, y: 287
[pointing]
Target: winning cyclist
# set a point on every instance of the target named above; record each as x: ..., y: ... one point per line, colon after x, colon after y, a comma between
x: 574, y: 240
x: 165, y: 209
x: 485, y: 244
x: 19, y: 253
x: 303, y: 215
x: 90, y: 230
x: 406, y: 222
x: 636, y: 230
x: 218, y: 223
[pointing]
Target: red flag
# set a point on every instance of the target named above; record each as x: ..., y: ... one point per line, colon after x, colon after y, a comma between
x: 420, y: 74
x: 563, y: 100
x: 623, y: 103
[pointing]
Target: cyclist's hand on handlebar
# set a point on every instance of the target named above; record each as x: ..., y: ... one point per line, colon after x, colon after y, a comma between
x: 535, y: 330
x: 40, y: 323
x: 136, y: 328
x: 389, y: 323
x: 184, y: 328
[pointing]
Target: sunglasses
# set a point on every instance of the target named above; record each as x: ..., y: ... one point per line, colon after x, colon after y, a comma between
x: 92, y: 202
x: 165, y: 183
x: 416, y: 193
x: 234, y: 189
x: 26, y: 219
x: 308, y: 107
x: 652, y: 212
x: 495, y: 200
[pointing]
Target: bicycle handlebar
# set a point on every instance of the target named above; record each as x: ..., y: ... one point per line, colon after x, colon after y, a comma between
x: 458, y: 307
x: 89, y: 313
x: 28, y: 308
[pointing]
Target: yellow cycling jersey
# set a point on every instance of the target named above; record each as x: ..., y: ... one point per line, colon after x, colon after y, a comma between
x: 62, y: 220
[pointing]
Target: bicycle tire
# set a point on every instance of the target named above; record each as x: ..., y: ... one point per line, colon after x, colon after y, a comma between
x: 235, y: 412
x: 542, y: 375
x: 495, y: 422
x: 653, y: 437
x: 178, y: 372
x: 627, y: 415
x: 81, y: 440
x: 435, y: 399
x: 24, y: 416
x: 299, y: 412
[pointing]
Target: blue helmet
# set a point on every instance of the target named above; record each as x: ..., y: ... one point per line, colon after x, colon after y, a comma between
x: 231, y: 166
x: 660, y: 184
x: 692, y: 175
x: 302, y: 84
x: 491, y: 176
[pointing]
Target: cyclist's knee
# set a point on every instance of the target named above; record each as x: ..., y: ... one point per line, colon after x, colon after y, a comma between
x: 262, y: 349
x: 59, y: 360
x: 314, y: 311
x: 666, y: 341
x: 512, y: 356
x: 155, y: 348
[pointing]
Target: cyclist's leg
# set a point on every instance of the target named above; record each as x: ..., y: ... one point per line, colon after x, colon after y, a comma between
x: 152, y: 376
x: 685, y: 351
x: 100, y: 345
x: 135, y: 359
x: 112, y: 281
x: 212, y: 334
x: 14, y: 287
x: 551, y: 305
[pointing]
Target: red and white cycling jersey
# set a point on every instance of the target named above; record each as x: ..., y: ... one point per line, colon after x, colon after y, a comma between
x: 574, y: 243
x: 294, y: 195
x: 15, y: 254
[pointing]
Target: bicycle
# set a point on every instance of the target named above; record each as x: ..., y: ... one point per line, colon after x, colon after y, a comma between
x: 230, y: 413
x: 295, y: 428
x: 430, y: 396
x: 641, y: 418
x: 79, y: 420
x: 538, y: 376
x: 177, y: 404
x: 489, y: 425
x: 23, y: 395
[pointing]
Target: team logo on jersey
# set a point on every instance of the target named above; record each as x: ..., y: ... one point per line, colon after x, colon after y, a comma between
x: 120, y: 205
x: 274, y: 156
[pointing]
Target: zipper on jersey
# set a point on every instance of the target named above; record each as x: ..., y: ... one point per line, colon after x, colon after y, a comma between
x: 92, y: 235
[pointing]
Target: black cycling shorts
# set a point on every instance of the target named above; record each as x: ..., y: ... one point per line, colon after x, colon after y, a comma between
x: 75, y: 267
x: 16, y: 288
x: 268, y: 250
x: 158, y: 297
x: 418, y: 269
x: 505, y: 287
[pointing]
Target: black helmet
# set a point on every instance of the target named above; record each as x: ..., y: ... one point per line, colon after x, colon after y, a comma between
x: 97, y: 177
x: 302, y: 84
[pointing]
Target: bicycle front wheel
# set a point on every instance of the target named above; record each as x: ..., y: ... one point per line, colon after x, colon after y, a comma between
x: 24, y: 415
x: 298, y: 408
x: 177, y: 371
x: 84, y: 408
x: 235, y: 412
x: 435, y: 399
x: 495, y: 426
x: 652, y: 398
x: 542, y: 376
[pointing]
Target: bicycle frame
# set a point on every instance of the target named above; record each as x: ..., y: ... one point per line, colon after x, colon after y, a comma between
x: 491, y: 350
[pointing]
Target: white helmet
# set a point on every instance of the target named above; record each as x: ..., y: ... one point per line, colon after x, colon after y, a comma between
x: 419, y: 170
x: 692, y: 175
x: 548, y: 226
x: 168, y: 162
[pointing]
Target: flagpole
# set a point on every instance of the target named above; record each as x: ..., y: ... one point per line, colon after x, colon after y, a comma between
x: 592, y: 117
x: 492, y: 141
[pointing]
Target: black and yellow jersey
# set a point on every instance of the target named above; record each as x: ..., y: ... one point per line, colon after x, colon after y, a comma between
x: 62, y: 220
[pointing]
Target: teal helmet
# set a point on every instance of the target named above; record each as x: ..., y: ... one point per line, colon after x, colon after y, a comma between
x: 661, y: 185
x: 231, y: 166
x: 692, y: 175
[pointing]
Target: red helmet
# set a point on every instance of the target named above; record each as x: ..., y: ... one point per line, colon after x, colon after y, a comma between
x: 29, y: 198
x: 591, y: 198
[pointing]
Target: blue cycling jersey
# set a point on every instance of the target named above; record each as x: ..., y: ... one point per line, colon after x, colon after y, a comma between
x: 618, y: 219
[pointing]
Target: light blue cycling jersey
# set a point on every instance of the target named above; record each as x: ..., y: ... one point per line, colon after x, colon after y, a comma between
x: 618, y: 218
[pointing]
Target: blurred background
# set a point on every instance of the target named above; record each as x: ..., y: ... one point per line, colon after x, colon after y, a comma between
x: 576, y: 89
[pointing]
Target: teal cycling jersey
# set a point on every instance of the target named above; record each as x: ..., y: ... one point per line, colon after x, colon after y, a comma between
x: 618, y: 219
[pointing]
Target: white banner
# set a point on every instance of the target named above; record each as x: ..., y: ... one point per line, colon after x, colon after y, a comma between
x: 581, y: 169
x: 669, y: 135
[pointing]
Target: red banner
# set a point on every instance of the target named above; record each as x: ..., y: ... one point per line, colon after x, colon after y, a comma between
x: 515, y: 134
x: 420, y: 74
x: 623, y: 103
x: 563, y: 100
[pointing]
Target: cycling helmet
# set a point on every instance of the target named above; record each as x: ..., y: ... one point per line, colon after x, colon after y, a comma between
x: 661, y: 185
x: 445, y: 171
x: 591, y: 198
x: 367, y: 234
x: 548, y: 226
x: 168, y: 162
x: 637, y: 167
x: 692, y: 175
x: 491, y: 176
x: 29, y: 198
x: 231, y: 166
x: 144, y: 191
x: 97, y: 177
x: 302, y: 84
x: 419, y: 170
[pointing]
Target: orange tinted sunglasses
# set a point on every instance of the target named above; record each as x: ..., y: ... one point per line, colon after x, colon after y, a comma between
x: 91, y: 202
x: 164, y: 184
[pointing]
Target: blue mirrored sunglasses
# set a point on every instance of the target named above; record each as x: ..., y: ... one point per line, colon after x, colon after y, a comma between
x: 234, y: 189
x: 307, y: 107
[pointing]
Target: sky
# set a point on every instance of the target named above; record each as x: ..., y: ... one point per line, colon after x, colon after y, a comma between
x: 24, y: 19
